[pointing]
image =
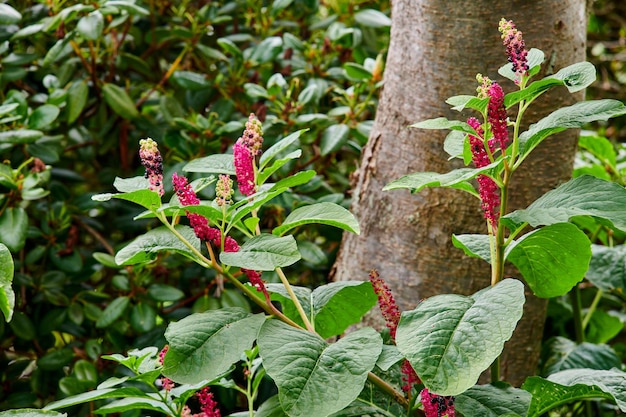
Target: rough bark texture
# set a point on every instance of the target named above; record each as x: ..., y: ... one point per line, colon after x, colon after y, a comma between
x: 436, y: 50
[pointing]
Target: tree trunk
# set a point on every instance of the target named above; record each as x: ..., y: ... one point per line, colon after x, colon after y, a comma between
x: 436, y: 50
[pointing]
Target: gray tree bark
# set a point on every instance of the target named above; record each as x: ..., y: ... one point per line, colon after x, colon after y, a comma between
x: 436, y: 50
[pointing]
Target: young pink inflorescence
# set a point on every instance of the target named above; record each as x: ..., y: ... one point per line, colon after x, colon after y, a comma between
x: 515, y: 48
x: 487, y: 188
x: 224, y: 190
x: 153, y: 162
x: 386, y: 303
x: 245, y: 150
x: 436, y: 405
x: 496, y: 116
x: 208, y: 405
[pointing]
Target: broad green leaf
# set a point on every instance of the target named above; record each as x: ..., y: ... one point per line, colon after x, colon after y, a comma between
x: 357, y: 71
x: 457, y: 178
x: 459, y: 103
x: 443, y: 123
x: 7, y: 296
x: 127, y: 185
x: 90, y: 27
x: 535, y: 58
x: 600, y: 147
x: 164, y: 292
x: 98, y: 394
x: 210, y: 212
x: 574, y: 116
x: 577, y: 197
x: 389, y: 357
x: 214, y: 164
x: 42, y: 116
x: 146, y: 198
x: 20, y: 136
x: 280, y: 146
x: 264, y: 253
x: 450, y: 339
x: 146, y: 247
x: 575, y: 77
x: 8, y: 15
x: 552, y: 259
x: 607, y: 268
x: 77, y: 95
x: 13, y: 228
x: 8, y: 108
x: 313, y: 377
x: 278, y: 163
x: 205, y: 345
x: 372, y: 18
x: 575, y: 385
x: 476, y: 246
x: 190, y: 80
x: 454, y: 144
x: 333, y: 138
x: 561, y: 354
x: 331, y: 307
x: 113, y: 311
x: 603, y: 327
x: 135, y: 403
x: 322, y: 213
x: 120, y: 102
x: 493, y: 400
x: 30, y: 412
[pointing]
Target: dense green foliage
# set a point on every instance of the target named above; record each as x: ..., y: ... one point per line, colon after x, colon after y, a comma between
x: 82, y: 82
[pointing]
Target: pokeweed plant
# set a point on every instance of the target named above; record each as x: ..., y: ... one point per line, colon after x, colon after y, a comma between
x: 441, y: 347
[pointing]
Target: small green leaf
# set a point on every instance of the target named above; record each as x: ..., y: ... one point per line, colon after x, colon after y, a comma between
x: 134, y: 403
x: 264, y: 253
x: 214, y: 164
x: 77, y: 95
x: 128, y: 6
x: 494, y: 400
x: 552, y: 259
x: 191, y: 81
x: 8, y: 15
x: 313, y: 377
x: 333, y: 138
x: 322, y: 213
x: 127, y: 185
x: 278, y: 163
x: 476, y: 246
x: 443, y: 123
x: 279, y: 147
x: 90, y: 27
x: 372, y: 18
x: 113, y: 312
x: 7, y: 296
x: 600, y: 147
x: 20, y: 136
x: 561, y: 354
x: 603, y: 327
x: 30, y: 412
x: 457, y: 178
x: 575, y: 385
x: 42, y: 116
x: 577, y: 197
x: 163, y: 292
x: 143, y: 317
x: 451, y: 339
x: 13, y: 228
x: 120, y: 102
x: 205, y: 345
x: 574, y: 116
x: 145, y: 198
x: 459, y: 103
x: 357, y: 71
x: 60, y: 49
x: 607, y: 268
x: 146, y: 247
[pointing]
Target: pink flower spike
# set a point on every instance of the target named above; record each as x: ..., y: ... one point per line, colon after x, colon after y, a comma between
x: 386, y: 303
x: 436, y: 405
x: 515, y: 48
x: 185, y: 193
x: 208, y: 405
x: 496, y: 115
x: 153, y: 162
x: 244, y: 168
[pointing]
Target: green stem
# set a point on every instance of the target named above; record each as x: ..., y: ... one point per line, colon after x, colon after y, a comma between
x: 592, y: 308
x: 388, y: 389
x: 577, y: 313
x: 293, y: 297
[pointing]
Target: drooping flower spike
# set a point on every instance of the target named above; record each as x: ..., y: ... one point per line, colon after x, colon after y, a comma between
x: 515, y: 48
x: 153, y: 162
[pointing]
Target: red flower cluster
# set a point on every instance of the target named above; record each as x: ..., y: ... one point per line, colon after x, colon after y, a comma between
x: 515, y: 47
x: 386, y: 303
x: 247, y: 147
x: 436, y: 405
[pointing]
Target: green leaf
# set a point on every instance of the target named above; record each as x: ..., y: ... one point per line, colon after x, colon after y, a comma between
x: 575, y: 385
x: 333, y: 138
x: 493, y: 400
x: 30, y: 412
x: 205, y: 345
x: 603, y: 327
x: 191, y: 81
x: 120, y: 102
x: 13, y: 228
x: 476, y: 246
x: 279, y: 147
x: 7, y: 296
x: 459, y: 103
x: 313, y: 377
x: 372, y: 18
x: 20, y: 136
x: 600, y: 147
x: 357, y: 71
x: 8, y: 15
x: 128, y: 6
x: 42, y: 116
x: 214, y: 164
x: 77, y: 95
x: 278, y: 163
x: 575, y: 77
x: 264, y: 253
x: 127, y: 185
x: 552, y: 259
x: 146, y: 247
x: 561, y: 354
x: 146, y: 198
x: 90, y: 27
x: 331, y: 307
x: 59, y: 50
x: 450, y: 339
x: 322, y: 213
x: 574, y: 116
x: 443, y: 123
x: 112, y: 312
x: 163, y: 292
x: 607, y: 268
x: 454, y: 144
x: 577, y: 197
x: 457, y: 178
